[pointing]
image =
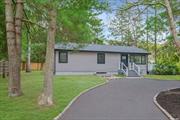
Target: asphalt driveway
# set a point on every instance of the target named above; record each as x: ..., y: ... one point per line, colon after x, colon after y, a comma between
x: 124, y: 99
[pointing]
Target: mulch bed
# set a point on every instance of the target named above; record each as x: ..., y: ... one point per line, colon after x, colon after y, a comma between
x: 170, y: 101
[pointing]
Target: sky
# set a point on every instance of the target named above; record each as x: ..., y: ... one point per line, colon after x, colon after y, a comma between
x: 108, y: 16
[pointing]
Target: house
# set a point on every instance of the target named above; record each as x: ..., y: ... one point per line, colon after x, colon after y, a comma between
x: 93, y: 59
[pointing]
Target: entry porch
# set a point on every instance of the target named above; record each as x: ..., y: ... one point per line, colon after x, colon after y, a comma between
x: 133, y: 65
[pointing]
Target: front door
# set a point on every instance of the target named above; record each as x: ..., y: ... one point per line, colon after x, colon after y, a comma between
x: 124, y: 59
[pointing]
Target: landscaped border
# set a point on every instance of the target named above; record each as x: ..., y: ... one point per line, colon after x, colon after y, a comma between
x: 161, y: 108
x: 74, y: 99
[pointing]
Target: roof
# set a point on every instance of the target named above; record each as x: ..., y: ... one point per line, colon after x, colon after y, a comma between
x: 101, y: 48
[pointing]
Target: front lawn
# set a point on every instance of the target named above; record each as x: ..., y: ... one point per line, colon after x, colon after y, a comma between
x: 163, y: 77
x: 26, y: 108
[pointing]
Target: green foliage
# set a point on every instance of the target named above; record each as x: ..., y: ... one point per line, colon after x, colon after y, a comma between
x: 76, y: 19
x: 115, y: 42
x: 168, y: 60
x: 38, y: 52
x: 127, y: 26
x: 38, y: 38
x: 178, y: 65
x: 77, y: 22
x: 160, y: 21
x: 26, y: 108
x: 165, y: 69
x: 168, y: 53
x: 122, y: 28
x: 3, y: 43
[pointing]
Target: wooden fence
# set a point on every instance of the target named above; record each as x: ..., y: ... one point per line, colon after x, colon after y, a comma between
x: 34, y: 66
x: 4, y: 67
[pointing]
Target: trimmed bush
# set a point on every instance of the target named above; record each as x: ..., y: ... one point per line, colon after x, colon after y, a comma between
x: 166, y: 69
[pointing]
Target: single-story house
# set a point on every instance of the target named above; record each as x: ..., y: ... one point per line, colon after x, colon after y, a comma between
x: 94, y: 59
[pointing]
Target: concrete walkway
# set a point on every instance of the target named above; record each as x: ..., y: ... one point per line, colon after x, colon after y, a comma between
x: 123, y: 99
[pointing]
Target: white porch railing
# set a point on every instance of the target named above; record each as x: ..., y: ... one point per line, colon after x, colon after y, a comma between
x: 124, y: 68
x: 137, y: 69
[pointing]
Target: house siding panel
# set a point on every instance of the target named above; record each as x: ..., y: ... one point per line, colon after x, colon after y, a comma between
x: 143, y: 69
x: 86, y: 62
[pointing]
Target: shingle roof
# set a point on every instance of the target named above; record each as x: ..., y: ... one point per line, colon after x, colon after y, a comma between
x: 101, y: 48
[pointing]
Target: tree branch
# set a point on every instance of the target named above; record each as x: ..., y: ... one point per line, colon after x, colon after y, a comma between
x: 135, y: 4
x: 141, y: 12
x: 31, y: 22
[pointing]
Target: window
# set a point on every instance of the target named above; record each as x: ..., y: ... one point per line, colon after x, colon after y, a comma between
x: 100, y: 58
x: 124, y: 57
x: 143, y: 59
x: 132, y: 58
x: 63, y: 57
x: 138, y: 59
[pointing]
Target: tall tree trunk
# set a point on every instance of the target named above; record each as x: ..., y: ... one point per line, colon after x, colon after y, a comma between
x: 18, y: 28
x: 171, y: 20
x: 46, y: 97
x: 155, y: 36
x: 147, y: 31
x: 28, y: 56
x: 13, y: 32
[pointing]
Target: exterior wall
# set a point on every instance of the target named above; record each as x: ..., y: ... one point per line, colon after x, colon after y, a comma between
x: 143, y: 69
x: 86, y: 63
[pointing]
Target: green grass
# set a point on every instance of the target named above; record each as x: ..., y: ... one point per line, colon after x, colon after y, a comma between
x: 163, y: 77
x: 25, y: 107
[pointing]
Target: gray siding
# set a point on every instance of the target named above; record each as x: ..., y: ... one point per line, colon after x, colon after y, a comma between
x: 143, y: 69
x: 86, y: 62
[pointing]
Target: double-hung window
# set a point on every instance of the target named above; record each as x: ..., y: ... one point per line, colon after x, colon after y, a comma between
x: 100, y: 58
x: 63, y: 57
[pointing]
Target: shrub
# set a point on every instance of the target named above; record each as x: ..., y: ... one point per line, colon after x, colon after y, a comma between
x: 178, y: 65
x: 165, y: 69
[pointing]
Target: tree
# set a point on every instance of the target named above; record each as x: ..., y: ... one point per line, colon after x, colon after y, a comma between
x: 13, y: 33
x: 127, y: 26
x: 164, y: 4
x: 46, y: 97
x: 115, y: 42
x: 82, y: 8
x: 81, y: 26
x: 147, y: 31
x: 157, y: 26
x: 77, y: 22
x: 28, y: 56
x: 171, y: 19
x: 155, y: 34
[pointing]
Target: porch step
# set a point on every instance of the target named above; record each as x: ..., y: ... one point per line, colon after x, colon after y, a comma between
x: 132, y: 73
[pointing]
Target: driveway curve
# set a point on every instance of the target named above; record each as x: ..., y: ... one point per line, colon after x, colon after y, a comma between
x: 123, y: 99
